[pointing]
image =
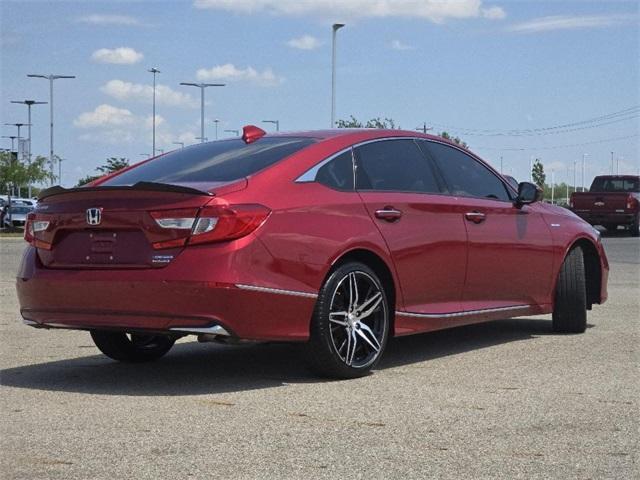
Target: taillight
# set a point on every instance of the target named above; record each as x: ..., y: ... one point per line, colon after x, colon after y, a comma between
x: 33, y: 226
x: 179, y: 222
x: 631, y: 202
x: 215, y: 223
x: 220, y: 223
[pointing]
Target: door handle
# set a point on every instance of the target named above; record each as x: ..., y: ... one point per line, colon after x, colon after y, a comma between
x: 475, y: 217
x: 388, y: 214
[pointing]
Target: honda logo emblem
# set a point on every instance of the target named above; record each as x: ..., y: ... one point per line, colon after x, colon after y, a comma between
x: 94, y: 216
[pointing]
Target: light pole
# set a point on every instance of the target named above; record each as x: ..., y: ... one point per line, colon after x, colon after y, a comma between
x: 275, y: 122
x: 51, y: 78
x: 553, y: 186
x: 611, y: 163
x: 19, y: 125
x: 29, y: 103
x: 235, y: 132
x: 202, y: 86
x: 216, y: 121
x: 531, y: 168
x: 154, y: 71
x: 179, y: 143
x: 584, y: 156
x: 335, y: 27
x: 575, y: 188
x: 500, y: 164
x: 12, y: 137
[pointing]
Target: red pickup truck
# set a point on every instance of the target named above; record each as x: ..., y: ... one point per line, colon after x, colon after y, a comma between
x: 612, y: 200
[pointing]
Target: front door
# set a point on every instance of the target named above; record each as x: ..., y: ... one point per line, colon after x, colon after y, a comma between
x: 510, y: 257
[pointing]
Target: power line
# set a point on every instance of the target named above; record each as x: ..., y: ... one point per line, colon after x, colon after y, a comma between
x: 549, y: 132
x: 513, y: 149
x: 621, y: 115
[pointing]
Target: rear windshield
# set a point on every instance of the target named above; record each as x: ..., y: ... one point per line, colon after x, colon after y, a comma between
x: 221, y: 161
x: 604, y: 184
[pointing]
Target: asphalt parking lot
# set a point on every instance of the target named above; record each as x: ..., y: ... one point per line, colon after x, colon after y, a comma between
x: 507, y: 399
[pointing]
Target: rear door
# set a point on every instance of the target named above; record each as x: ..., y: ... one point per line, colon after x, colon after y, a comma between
x: 424, y: 230
x: 510, y: 253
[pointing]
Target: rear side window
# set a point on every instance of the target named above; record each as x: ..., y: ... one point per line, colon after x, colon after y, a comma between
x: 464, y: 175
x: 394, y: 165
x: 338, y: 173
x: 603, y: 184
x: 213, y: 162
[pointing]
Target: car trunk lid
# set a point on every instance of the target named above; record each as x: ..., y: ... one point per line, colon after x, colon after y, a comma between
x: 118, y: 226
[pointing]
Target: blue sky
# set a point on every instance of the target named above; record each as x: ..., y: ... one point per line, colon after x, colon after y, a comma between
x: 482, y: 68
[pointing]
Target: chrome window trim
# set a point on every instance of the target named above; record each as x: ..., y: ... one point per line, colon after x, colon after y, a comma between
x: 278, y: 291
x: 463, y: 314
x: 310, y: 175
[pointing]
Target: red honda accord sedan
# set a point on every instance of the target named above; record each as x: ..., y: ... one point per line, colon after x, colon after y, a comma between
x: 339, y: 239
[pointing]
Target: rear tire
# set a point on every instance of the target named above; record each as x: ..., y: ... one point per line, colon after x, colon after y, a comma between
x: 350, y: 323
x: 634, y: 228
x: 132, y: 348
x: 570, y: 309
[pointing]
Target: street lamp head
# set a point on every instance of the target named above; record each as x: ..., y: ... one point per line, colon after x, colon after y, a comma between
x: 337, y: 26
x: 28, y: 102
x: 33, y: 75
x: 153, y: 70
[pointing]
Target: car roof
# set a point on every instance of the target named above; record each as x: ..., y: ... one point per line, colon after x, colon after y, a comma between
x: 362, y: 134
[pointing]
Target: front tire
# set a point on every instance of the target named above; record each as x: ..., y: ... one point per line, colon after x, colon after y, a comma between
x: 350, y: 323
x: 132, y: 348
x: 570, y: 309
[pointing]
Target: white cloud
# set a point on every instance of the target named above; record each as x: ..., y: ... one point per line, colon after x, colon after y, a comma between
x: 493, y: 13
x: 99, y: 19
x: 165, y: 95
x: 111, y: 125
x: 105, y: 115
x: 433, y: 10
x: 398, y: 45
x: 121, y: 56
x: 568, y: 22
x: 231, y: 73
x: 305, y: 42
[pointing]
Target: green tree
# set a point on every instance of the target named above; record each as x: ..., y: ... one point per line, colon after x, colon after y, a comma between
x: 455, y: 140
x: 113, y: 164
x: 537, y: 173
x: 377, y: 122
x: 14, y: 174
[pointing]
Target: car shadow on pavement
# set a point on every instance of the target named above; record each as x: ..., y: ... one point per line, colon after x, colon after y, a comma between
x: 197, y: 369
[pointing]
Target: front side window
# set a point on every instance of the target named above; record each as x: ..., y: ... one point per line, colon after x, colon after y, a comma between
x: 394, y: 165
x: 337, y: 173
x: 220, y: 161
x: 465, y: 176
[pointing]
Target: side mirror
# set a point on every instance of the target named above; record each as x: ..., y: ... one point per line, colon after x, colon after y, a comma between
x: 528, y: 193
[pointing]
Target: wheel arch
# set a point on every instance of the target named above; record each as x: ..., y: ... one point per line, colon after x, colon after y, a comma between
x: 381, y: 269
x: 592, y: 269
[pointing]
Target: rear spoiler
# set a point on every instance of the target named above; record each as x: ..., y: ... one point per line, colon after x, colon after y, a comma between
x: 145, y: 186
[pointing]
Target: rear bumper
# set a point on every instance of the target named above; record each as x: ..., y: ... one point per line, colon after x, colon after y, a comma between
x: 607, y: 218
x: 188, y: 294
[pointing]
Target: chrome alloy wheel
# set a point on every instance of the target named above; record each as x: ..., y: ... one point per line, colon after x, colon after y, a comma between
x: 358, y: 319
